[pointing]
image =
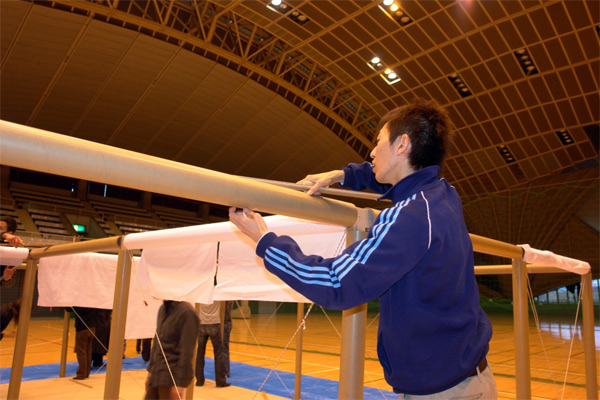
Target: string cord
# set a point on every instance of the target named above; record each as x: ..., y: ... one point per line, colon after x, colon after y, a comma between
x: 579, y: 299
x: 538, y: 327
x: 302, y: 325
x: 245, y: 319
x: 88, y: 328
x: 539, y: 330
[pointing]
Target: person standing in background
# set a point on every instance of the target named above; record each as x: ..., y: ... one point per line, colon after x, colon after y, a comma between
x: 210, y: 327
x: 85, y: 334
x: 171, y: 368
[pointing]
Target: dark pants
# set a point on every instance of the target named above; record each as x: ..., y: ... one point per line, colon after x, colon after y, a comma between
x: 214, y: 332
x: 146, y: 345
x: 227, y: 325
x: 83, y: 348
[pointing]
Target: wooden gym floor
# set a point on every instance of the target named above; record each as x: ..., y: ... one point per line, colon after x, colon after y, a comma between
x: 260, y: 341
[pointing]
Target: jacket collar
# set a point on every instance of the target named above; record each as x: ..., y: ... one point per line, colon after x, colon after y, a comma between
x: 406, y: 187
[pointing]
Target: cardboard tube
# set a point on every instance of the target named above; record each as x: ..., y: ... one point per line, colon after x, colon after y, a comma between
x: 38, y: 150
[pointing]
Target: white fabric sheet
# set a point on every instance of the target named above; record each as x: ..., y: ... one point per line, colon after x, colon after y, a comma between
x: 548, y: 258
x: 242, y: 275
x: 12, y: 256
x: 222, y: 231
x: 183, y: 272
x: 179, y: 272
x: 88, y: 280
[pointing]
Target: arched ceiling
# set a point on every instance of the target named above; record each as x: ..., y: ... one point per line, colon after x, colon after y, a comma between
x: 238, y: 87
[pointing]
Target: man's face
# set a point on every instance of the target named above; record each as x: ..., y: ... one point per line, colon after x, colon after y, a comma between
x: 3, y: 226
x: 385, y: 158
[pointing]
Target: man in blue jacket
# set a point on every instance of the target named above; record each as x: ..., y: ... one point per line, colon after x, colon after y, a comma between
x: 417, y: 259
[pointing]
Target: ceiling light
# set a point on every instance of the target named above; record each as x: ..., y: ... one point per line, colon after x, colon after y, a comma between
x: 525, y: 61
x: 298, y: 17
x: 375, y: 64
x: 392, y: 10
x: 390, y: 77
x: 459, y: 85
x: 565, y: 137
x: 279, y: 6
x: 506, y: 154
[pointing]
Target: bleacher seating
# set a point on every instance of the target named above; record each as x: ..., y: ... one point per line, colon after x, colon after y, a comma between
x: 51, y: 210
x: 48, y: 222
x: 24, y: 196
x: 128, y: 217
x: 104, y: 226
x: 178, y: 218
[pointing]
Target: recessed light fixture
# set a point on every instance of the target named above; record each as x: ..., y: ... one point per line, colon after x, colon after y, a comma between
x: 506, y: 154
x: 388, y: 75
x: 525, y: 61
x: 283, y: 8
x: 565, y: 137
x: 459, y: 85
x: 375, y: 64
x: 279, y: 6
x: 392, y: 9
x: 298, y: 17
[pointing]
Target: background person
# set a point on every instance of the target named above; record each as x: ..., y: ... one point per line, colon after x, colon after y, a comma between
x: 172, y: 351
x: 210, y: 327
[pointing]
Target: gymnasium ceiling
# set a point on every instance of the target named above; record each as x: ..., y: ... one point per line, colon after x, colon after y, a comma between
x: 239, y: 87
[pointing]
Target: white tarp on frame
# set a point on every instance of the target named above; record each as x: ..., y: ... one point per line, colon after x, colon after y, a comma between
x: 181, y: 264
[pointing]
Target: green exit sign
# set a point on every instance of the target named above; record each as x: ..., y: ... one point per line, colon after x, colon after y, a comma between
x: 79, y: 228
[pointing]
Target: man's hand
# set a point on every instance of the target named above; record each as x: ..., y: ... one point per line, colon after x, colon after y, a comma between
x: 250, y: 223
x: 318, y: 181
x: 8, y: 273
x: 13, y: 240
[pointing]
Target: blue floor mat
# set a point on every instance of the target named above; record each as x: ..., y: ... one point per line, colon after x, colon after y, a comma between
x: 242, y: 375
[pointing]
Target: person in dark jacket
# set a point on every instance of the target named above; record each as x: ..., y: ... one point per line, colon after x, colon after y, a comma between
x: 9, y: 312
x: 417, y: 259
x: 8, y: 227
x: 10, y: 309
x: 171, y: 369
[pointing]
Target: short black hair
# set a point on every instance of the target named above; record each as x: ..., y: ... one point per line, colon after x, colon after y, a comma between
x: 11, y: 224
x: 428, y: 126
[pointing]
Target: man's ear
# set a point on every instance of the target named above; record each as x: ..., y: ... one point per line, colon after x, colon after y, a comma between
x: 403, y: 144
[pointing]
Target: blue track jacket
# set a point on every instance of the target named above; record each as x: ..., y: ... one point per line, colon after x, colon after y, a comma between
x: 418, y: 260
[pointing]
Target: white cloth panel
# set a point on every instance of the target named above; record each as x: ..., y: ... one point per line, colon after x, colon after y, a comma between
x: 183, y: 272
x: 242, y: 275
x: 548, y: 258
x: 180, y: 272
x: 88, y: 280
x: 12, y: 256
x: 222, y: 231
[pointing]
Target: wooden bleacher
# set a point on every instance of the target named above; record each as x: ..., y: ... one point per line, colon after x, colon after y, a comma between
x: 127, y: 215
x: 178, y: 218
x: 24, y: 196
